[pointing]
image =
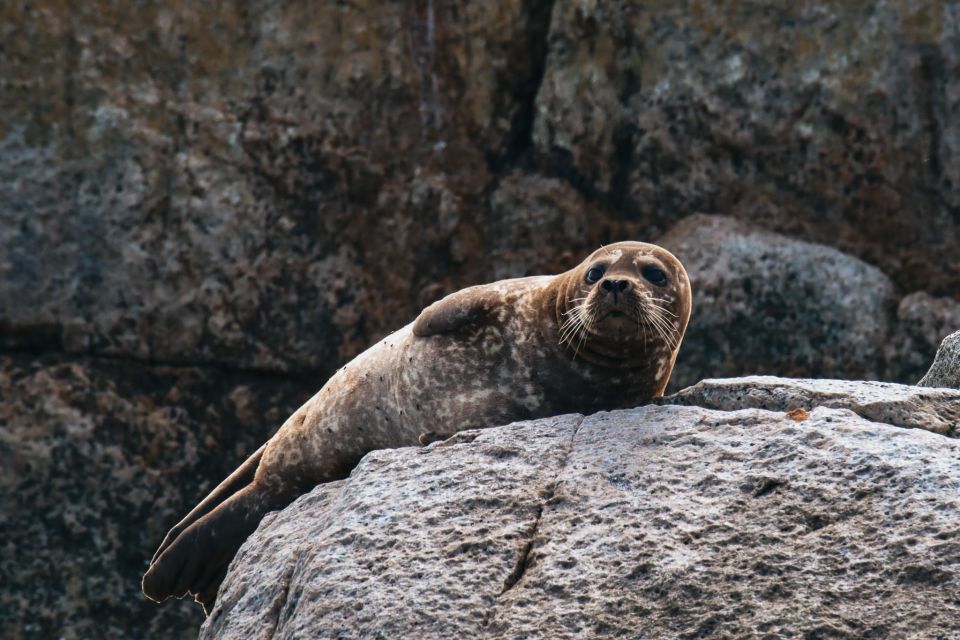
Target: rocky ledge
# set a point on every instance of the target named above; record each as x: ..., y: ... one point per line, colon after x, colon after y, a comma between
x: 780, y: 509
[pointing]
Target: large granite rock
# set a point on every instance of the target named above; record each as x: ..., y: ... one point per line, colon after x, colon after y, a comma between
x: 99, y: 458
x: 765, y: 303
x: 258, y: 184
x: 945, y: 370
x: 657, y: 522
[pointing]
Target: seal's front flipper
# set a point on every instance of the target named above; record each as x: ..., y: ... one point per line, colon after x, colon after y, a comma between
x: 456, y: 311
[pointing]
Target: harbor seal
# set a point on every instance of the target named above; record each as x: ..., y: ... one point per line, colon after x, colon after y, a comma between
x: 603, y: 335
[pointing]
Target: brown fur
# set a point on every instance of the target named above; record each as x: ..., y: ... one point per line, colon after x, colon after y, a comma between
x: 484, y: 356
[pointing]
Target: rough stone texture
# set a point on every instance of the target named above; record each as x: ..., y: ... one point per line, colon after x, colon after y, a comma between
x: 832, y: 121
x: 274, y: 186
x: 936, y: 410
x: 945, y: 370
x: 658, y: 522
x: 99, y: 458
x: 764, y: 303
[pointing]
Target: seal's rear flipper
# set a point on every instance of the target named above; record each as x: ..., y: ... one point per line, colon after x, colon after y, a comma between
x: 196, y: 560
x: 236, y: 481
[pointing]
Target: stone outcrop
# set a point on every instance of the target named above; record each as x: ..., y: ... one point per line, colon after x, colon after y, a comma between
x: 936, y: 410
x: 657, y: 522
x: 945, y: 370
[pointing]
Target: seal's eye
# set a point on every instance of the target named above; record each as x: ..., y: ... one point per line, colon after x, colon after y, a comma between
x: 594, y: 274
x: 654, y: 275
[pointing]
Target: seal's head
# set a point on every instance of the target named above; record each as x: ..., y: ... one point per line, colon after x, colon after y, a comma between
x: 627, y: 304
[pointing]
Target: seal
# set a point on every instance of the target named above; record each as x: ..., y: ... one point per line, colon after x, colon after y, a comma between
x: 603, y: 335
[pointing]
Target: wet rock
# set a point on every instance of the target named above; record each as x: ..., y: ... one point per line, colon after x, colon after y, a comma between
x: 945, y: 370
x: 911, y: 407
x: 663, y: 521
x: 765, y: 303
x: 100, y: 458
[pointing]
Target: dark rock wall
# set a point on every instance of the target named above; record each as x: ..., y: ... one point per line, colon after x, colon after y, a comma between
x: 205, y: 197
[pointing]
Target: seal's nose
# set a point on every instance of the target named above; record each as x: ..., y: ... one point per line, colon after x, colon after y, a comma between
x: 615, y: 286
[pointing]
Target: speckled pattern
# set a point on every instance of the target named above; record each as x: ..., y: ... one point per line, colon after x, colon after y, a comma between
x: 482, y: 357
x: 767, y: 303
x: 97, y: 458
x: 657, y: 522
x: 912, y: 407
x: 945, y: 370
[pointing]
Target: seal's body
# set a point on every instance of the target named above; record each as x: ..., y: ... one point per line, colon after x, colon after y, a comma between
x: 603, y: 335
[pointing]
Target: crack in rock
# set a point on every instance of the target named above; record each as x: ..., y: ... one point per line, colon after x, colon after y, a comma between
x: 523, y: 560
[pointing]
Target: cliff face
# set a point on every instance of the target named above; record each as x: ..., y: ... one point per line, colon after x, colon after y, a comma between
x: 206, y: 208
x: 817, y: 518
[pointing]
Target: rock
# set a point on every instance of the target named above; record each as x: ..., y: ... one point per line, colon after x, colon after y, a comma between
x: 100, y: 458
x: 662, y: 521
x: 764, y: 303
x: 831, y: 122
x: 261, y: 186
x: 922, y: 323
x: 936, y: 410
x: 945, y: 370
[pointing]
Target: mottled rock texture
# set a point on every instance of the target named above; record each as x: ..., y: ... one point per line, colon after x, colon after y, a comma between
x: 658, y: 522
x: 945, y: 370
x: 272, y: 186
x: 251, y: 189
x: 911, y: 407
x: 99, y: 458
x: 777, y: 305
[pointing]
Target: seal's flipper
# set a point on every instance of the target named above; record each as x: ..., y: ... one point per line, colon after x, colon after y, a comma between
x: 453, y: 312
x: 195, y: 559
x: 236, y: 481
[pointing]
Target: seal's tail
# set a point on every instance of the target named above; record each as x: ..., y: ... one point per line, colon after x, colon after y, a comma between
x: 194, y: 556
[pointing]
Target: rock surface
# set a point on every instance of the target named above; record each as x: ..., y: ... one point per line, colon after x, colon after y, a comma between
x: 657, y: 522
x: 98, y: 459
x: 765, y: 303
x: 273, y: 187
x: 945, y: 370
x: 936, y: 410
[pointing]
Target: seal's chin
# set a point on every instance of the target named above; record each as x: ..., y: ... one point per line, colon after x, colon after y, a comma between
x: 617, y: 324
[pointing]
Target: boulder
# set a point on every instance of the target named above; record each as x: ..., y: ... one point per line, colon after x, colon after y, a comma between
x: 655, y: 522
x: 945, y: 370
x: 765, y: 303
